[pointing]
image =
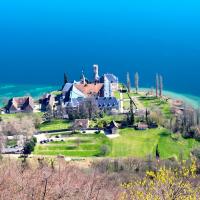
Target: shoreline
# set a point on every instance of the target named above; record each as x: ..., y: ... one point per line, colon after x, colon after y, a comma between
x: 36, y: 90
x: 190, y: 99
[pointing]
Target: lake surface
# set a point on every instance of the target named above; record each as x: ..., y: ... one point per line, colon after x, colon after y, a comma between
x: 36, y: 91
x: 40, y: 40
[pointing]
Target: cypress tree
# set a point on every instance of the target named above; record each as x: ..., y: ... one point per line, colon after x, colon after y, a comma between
x: 65, y: 79
x: 136, y: 82
x: 128, y: 82
x: 157, y: 84
x: 157, y: 152
x: 161, y: 85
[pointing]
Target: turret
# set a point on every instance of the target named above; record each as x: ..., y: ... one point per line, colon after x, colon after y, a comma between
x: 96, y: 73
x: 83, y: 78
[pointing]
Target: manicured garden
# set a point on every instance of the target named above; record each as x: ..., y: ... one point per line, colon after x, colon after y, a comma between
x: 130, y: 143
x: 77, y: 145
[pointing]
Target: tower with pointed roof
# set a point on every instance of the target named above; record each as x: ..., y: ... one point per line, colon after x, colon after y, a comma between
x: 96, y: 73
x: 83, y: 79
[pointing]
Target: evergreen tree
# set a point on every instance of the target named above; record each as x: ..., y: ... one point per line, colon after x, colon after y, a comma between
x: 65, y: 78
x: 157, y: 152
x: 136, y: 82
x: 132, y: 114
x: 146, y: 116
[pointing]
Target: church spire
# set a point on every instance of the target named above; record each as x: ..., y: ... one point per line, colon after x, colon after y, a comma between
x: 96, y: 73
x: 83, y: 78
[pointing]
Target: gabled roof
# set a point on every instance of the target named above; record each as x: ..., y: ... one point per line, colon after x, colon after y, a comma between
x: 91, y: 89
x: 20, y: 103
x: 76, y: 93
x: 74, y: 102
x: 46, y: 100
x: 67, y: 87
x: 107, y: 102
x: 111, y: 78
x: 71, y: 92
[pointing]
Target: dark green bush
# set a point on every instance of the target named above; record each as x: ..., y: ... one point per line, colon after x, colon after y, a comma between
x: 29, y: 146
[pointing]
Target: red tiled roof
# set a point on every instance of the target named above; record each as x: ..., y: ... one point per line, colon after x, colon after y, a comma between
x: 21, y: 102
x: 89, y: 89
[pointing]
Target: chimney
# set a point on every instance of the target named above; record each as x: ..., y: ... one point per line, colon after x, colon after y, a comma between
x: 96, y: 73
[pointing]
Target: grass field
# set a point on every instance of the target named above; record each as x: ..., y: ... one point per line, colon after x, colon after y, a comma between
x: 55, y: 125
x: 106, y: 119
x: 78, y: 145
x: 117, y: 94
x: 125, y: 95
x: 153, y: 101
x: 130, y: 143
x: 143, y: 143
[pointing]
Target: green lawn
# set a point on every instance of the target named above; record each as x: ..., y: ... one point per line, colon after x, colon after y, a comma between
x: 153, y: 101
x: 126, y: 105
x: 77, y: 145
x: 135, y: 143
x: 55, y: 125
x: 130, y: 143
x: 131, y: 94
x: 106, y: 120
x: 117, y: 94
x: 143, y: 143
x: 109, y: 118
x: 172, y: 148
x: 125, y: 95
x: 56, y: 92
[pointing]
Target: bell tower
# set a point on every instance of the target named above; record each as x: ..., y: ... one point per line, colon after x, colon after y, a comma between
x: 96, y: 73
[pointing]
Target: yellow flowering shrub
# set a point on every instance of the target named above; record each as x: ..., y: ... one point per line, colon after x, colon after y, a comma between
x: 165, y: 184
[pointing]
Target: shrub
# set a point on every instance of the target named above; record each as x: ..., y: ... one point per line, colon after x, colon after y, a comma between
x: 164, y: 184
x: 104, y: 150
x: 196, y: 153
x: 175, y: 136
x: 97, y: 132
x: 29, y: 146
x: 197, y: 133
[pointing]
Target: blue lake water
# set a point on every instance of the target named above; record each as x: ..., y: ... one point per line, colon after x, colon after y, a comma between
x: 35, y: 90
x: 41, y: 39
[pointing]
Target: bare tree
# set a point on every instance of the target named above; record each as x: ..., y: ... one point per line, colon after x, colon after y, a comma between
x: 49, y: 114
x: 2, y: 142
x: 63, y: 181
x: 86, y: 109
x: 136, y: 82
x: 21, y: 128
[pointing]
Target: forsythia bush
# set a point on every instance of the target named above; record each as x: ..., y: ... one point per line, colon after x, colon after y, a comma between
x: 165, y: 184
